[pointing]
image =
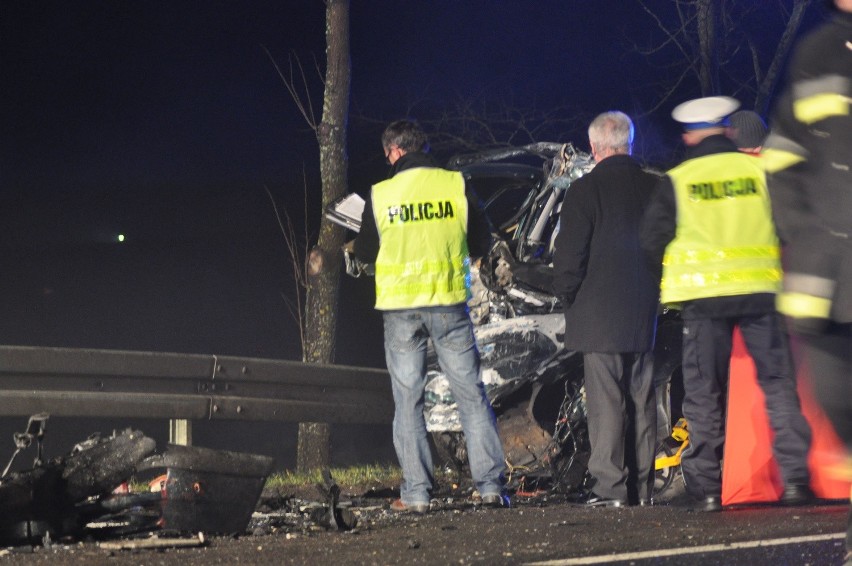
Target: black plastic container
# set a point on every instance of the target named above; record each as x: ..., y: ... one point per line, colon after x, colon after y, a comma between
x: 212, y: 491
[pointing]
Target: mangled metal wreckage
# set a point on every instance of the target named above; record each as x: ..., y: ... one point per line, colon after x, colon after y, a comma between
x: 533, y: 383
x: 84, y: 494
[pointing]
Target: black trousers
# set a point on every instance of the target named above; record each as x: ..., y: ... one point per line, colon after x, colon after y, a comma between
x: 622, y: 418
x: 829, y: 359
x: 707, y: 346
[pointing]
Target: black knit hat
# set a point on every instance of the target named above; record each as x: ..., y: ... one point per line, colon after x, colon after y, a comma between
x: 748, y: 129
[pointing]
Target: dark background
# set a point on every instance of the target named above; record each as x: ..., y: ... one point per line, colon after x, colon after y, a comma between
x: 167, y: 122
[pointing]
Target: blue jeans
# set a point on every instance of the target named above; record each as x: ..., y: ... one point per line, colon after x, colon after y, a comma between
x: 406, y: 336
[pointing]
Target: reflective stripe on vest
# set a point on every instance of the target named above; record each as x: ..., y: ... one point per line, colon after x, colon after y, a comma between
x: 725, y: 242
x: 421, y: 215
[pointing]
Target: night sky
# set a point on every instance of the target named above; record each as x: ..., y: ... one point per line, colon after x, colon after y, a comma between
x: 164, y: 121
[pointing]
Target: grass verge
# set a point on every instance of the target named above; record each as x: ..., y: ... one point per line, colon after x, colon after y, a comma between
x: 371, y: 474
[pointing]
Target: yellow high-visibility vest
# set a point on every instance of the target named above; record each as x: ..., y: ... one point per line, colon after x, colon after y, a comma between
x: 421, y: 215
x: 725, y: 242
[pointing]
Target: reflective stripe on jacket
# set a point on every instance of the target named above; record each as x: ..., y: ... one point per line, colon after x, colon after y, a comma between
x: 813, y: 100
x: 725, y: 242
x: 421, y: 216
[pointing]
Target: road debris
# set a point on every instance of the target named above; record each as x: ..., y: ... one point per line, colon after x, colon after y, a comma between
x: 84, y: 494
x: 154, y: 542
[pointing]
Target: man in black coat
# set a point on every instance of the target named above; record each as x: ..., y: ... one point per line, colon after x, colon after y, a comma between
x: 610, y: 295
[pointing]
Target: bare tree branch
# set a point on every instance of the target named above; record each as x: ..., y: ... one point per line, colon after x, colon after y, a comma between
x: 296, y: 250
x: 302, y: 101
x: 713, y: 41
x: 768, y: 84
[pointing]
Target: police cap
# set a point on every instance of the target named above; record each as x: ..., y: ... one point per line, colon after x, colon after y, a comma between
x: 707, y: 112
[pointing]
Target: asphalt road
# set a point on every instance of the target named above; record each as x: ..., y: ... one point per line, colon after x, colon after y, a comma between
x: 532, y: 532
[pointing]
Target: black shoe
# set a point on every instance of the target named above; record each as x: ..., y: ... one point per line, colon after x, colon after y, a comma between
x: 796, y: 494
x: 705, y: 504
x: 710, y: 504
x: 595, y: 500
x: 495, y: 501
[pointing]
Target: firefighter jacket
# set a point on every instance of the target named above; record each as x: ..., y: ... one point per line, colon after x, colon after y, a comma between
x: 419, y: 227
x: 723, y: 242
x: 808, y: 157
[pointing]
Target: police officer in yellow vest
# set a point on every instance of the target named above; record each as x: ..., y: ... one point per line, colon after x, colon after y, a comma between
x: 420, y: 227
x: 710, y: 227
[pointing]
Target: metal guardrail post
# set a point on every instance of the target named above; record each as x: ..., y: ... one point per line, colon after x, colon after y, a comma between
x: 180, y: 432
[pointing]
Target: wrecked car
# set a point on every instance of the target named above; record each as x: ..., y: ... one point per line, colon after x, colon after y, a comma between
x: 533, y: 383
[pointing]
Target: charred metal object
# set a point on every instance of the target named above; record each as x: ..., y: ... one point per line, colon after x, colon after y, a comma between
x: 23, y: 440
x: 331, y: 515
x: 213, y: 491
x: 50, y: 501
x: 203, y: 490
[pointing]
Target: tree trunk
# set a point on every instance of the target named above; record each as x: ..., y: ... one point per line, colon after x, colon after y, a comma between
x: 313, y: 448
x: 323, y: 262
x: 707, y: 30
x: 767, y: 86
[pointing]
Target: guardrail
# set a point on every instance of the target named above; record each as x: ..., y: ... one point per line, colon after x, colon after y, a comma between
x: 112, y: 383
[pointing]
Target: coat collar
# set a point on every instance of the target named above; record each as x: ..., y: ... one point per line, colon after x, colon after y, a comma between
x: 616, y: 160
x: 411, y: 161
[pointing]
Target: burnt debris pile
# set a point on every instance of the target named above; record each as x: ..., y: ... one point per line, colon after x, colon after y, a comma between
x: 84, y: 494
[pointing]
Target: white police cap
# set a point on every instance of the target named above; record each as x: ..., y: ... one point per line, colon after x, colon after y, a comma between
x: 708, y: 112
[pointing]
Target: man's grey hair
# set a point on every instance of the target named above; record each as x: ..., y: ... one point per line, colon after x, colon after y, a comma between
x: 407, y: 135
x: 612, y: 131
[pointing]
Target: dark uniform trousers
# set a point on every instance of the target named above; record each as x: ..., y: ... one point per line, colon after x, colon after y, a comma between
x: 707, y: 346
x: 619, y: 391
x: 829, y: 356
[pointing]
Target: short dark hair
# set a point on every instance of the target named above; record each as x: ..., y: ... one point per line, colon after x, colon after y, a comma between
x: 407, y: 135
